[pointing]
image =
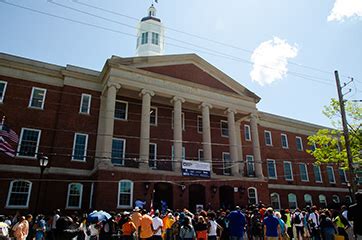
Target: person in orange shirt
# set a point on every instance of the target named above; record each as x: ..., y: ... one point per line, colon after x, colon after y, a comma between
x: 128, y: 228
x: 146, y: 228
x: 136, y: 217
x: 168, y: 220
x: 21, y: 229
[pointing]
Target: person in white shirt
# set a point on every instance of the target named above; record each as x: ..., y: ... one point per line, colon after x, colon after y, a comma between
x: 157, y: 225
x: 313, y: 221
x: 298, y: 223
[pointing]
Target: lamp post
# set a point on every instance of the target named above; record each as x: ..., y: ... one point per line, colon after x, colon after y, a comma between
x: 43, y: 163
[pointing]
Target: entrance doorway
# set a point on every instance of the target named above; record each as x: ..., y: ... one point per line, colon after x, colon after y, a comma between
x: 196, y: 196
x: 226, y: 196
x: 163, y: 194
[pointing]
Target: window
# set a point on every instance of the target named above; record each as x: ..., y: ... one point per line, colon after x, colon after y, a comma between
x: 85, y: 103
x: 292, y: 200
x: 2, y: 90
x: 284, y: 139
x: 322, y: 201
x: 250, y: 166
x: 153, y: 116
x: 74, y: 198
x: 155, y: 38
x: 153, y: 156
x: 308, y: 199
x: 224, y: 128
x: 183, y: 153
x: 288, y: 171
x: 80, y: 147
x: 199, y: 124
x: 29, y: 142
x: 182, y: 120
x: 252, y: 195
x: 317, y: 173
x: 121, y: 110
x: 247, y: 133
x: 144, y: 38
x: 313, y: 147
x: 299, y: 143
x: 125, y: 194
x: 335, y: 199
x: 348, y: 200
x: 118, y: 151
x: 342, y: 175
x: 37, y: 98
x: 275, y: 201
x: 268, y: 138
x: 303, y: 172
x: 330, y: 173
x: 19, y: 194
x: 226, y: 163
x: 272, y: 172
x: 200, y: 154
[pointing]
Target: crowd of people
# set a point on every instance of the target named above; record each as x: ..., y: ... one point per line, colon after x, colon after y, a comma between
x: 255, y: 222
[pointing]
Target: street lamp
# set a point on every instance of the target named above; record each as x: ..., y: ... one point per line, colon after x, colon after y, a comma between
x: 43, y: 163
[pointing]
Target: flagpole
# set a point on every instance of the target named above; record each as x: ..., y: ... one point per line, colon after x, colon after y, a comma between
x: 3, y: 120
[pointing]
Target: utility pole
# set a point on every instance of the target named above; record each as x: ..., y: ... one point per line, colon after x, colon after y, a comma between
x: 346, y: 136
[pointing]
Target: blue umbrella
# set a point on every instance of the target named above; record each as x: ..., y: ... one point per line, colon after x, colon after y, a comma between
x: 98, y: 216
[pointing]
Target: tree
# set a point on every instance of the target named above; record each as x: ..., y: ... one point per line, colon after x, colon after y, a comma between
x: 328, y: 145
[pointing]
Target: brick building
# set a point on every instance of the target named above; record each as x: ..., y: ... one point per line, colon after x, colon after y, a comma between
x: 123, y: 134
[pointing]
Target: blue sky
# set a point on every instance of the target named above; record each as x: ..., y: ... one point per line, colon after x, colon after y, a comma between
x: 301, y: 42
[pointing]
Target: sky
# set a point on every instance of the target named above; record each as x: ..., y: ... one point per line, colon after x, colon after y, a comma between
x: 284, y: 51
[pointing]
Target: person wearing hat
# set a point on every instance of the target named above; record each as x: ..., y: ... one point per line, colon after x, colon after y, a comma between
x: 128, y: 227
x: 272, y: 226
x: 136, y: 217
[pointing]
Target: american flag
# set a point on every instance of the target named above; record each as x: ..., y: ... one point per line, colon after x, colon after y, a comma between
x: 8, y: 133
x: 6, y: 148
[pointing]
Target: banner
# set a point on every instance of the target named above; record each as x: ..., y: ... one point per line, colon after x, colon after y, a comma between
x: 195, y: 169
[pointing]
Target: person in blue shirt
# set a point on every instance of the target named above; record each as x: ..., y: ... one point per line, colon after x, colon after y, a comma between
x: 272, y: 226
x: 237, y: 224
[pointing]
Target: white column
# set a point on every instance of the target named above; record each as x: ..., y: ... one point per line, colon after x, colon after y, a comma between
x: 256, y: 146
x: 232, y: 142
x: 106, y: 124
x: 239, y: 146
x: 177, y: 132
x: 206, y: 133
x: 145, y: 128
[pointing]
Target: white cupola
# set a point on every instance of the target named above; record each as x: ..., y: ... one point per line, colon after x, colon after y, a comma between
x: 150, y: 35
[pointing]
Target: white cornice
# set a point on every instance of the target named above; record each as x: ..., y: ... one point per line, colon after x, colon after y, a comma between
x: 305, y: 188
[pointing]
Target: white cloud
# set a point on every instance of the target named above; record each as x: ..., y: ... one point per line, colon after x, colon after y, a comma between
x: 345, y: 9
x: 270, y: 60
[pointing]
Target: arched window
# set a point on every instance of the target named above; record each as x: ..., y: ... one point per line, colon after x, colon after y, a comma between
x: 335, y: 199
x: 74, y: 196
x: 322, y: 201
x: 308, y: 199
x: 252, y: 195
x: 125, y: 194
x: 19, y: 194
x: 292, y: 200
x: 275, y: 200
x: 348, y: 200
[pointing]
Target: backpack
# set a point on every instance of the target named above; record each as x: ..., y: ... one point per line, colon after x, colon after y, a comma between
x: 4, y: 231
x: 297, y: 219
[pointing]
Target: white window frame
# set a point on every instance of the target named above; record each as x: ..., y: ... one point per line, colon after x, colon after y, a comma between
x: 221, y: 128
x: 173, y: 153
x: 4, y: 91
x: 278, y: 197
x: 123, y: 151
x: 131, y: 194
x: 144, y: 40
x: 85, y: 147
x: 247, y: 132
x: 349, y: 199
x: 301, y: 143
x: 275, y: 169
x: 251, y: 157
x: 89, y: 103
x: 320, y: 173
x: 286, y: 140
x: 334, y: 196
x: 306, y: 172
x: 182, y: 120
x: 334, y: 177
x: 199, y: 123
x: 256, y: 194
x: 155, y: 38
x: 291, y: 170
x: 199, y: 151
x: 344, y: 176
x: 21, y: 140
x: 323, y: 198
x: 155, y: 157
x: 80, y: 196
x: 155, y: 110
x: 126, y: 116
x: 10, y: 191
x: 296, y: 200
x: 265, y: 138
x: 305, y: 199
x: 224, y: 165
x: 31, y: 97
